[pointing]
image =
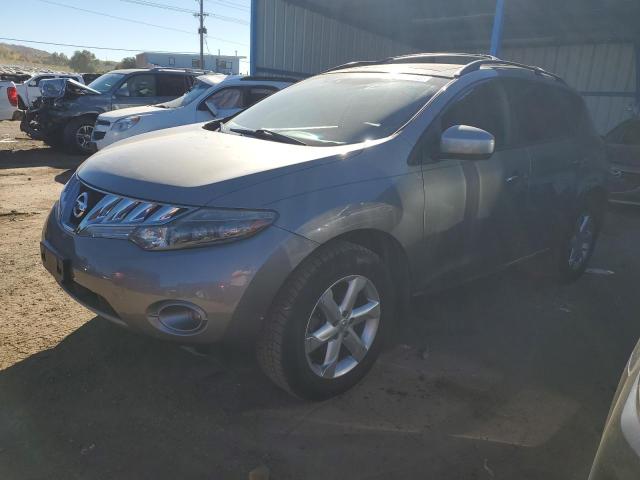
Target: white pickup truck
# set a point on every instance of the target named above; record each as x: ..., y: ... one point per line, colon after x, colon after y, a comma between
x: 30, y: 89
x: 8, y: 99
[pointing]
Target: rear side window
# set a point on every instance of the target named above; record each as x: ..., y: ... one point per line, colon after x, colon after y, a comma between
x: 171, y: 85
x: 138, y: 86
x: 44, y: 77
x: 542, y: 113
x: 485, y: 107
x: 255, y: 94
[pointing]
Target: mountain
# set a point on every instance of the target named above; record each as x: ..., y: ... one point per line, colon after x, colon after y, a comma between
x: 40, y: 59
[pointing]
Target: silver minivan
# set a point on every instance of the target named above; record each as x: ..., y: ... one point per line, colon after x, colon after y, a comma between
x: 307, y: 221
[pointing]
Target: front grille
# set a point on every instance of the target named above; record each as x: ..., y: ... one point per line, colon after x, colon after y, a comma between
x: 85, y: 207
x: 98, y: 135
x: 104, y: 123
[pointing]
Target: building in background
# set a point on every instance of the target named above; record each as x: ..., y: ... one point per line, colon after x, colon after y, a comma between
x: 593, y: 44
x: 228, y: 64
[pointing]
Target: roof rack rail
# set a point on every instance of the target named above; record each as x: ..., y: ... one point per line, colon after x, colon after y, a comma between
x: 186, y: 70
x: 476, y: 65
x: 437, y: 57
x: 266, y: 78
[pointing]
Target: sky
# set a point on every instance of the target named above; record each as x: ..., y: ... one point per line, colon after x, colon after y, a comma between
x: 50, y: 21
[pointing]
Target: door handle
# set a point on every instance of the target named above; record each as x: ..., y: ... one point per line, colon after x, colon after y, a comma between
x: 512, y: 178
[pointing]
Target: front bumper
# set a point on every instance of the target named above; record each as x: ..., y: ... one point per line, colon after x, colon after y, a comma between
x: 233, y: 284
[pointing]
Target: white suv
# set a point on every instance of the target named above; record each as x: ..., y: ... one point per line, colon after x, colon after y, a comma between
x: 212, y: 96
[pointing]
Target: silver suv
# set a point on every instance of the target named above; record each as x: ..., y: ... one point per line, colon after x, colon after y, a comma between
x: 307, y: 221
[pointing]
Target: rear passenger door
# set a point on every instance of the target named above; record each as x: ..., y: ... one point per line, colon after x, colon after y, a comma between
x: 545, y: 124
x: 170, y: 86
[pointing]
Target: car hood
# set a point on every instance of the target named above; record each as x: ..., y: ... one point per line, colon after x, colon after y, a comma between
x: 189, y: 165
x: 114, y: 115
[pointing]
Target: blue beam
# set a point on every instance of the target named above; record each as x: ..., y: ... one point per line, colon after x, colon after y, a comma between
x: 636, y: 47
x: 496, y: 34
x: 253, y: 40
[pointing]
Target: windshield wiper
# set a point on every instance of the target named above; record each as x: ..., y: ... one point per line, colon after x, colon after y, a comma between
x: 265, y: 134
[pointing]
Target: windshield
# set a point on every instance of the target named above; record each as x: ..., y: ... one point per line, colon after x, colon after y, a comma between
x: 106, y: 82
x: 198, y: 89
x: 343, y: 108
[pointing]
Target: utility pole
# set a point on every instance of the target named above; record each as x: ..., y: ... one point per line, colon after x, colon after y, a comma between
x: 202, y: 31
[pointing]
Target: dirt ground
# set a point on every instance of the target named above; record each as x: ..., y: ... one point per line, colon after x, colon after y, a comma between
x: 508, y: 377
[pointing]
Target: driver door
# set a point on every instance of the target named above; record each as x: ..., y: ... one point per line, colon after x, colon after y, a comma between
x: 136, y: 90
x: 476, y: 211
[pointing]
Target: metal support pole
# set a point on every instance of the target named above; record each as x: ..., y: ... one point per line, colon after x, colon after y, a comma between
x: 636, y: 107
x: 496, y: 34
x: 253, y: 48
x: 202, y: 31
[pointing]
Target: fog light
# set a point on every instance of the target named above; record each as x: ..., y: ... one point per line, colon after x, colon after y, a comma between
x: 181, y: 318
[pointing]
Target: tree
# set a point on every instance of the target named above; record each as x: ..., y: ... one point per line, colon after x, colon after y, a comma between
x: 83, y: 61
x: 59, y: 59
x: 127, y: 62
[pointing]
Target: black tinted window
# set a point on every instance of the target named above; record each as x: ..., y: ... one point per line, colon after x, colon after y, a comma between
x: 258, y: 93
x: 171, y: 85
x: 484, y: 107
x: 542, y: 113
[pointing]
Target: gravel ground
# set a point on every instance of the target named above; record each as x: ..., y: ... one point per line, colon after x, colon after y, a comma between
x: 507, y: 377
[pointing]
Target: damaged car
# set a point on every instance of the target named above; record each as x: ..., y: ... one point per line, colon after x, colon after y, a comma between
x: 65, y: 114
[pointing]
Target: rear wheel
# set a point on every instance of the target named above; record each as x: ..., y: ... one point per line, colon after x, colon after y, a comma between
x: 327, y: 325
x: 77, y: 135
x: 579, y: 242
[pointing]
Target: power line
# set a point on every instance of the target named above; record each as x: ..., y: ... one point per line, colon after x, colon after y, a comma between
x: 173, y: 8
x: 51, y: 2
x: 92, y: 47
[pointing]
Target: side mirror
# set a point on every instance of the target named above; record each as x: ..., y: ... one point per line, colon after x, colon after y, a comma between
x: 465, y: 142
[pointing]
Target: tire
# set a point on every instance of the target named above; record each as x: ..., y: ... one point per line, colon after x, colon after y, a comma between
x: 77, y: 134
x: 303, y: 307
x: 578, y: 243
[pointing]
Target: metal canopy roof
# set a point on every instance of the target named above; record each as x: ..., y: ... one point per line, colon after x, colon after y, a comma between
x: 447, y: 24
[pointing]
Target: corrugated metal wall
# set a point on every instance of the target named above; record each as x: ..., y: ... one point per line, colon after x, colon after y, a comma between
x: 291, y: 39
x: 603, y: 73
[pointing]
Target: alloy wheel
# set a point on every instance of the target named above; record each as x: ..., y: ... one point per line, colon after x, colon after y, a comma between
x: 83, y: 136
x: 342, y: 326
x: 581, y: 242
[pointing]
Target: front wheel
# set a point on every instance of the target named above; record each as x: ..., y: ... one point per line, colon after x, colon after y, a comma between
x: 77, y: 135
x: 327, y: 324
x: 579, y: 243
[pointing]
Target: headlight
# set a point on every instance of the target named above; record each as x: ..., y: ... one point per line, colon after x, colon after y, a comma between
x: 126, y: 123
x: 202, y: 227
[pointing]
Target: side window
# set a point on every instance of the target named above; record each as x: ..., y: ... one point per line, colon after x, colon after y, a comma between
x: 485, y: 107
x: 138, y: 86
x: 258, y: 93
x: 226, y: 98
x: 540, y: 112
x: 43, y: 77
x: 171, y: 85
x: 631, y: 135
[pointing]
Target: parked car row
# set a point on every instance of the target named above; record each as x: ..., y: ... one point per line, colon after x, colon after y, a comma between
x: 142, y: 100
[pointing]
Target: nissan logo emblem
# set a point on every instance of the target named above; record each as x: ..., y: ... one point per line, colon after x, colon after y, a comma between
x: 81, y: 204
